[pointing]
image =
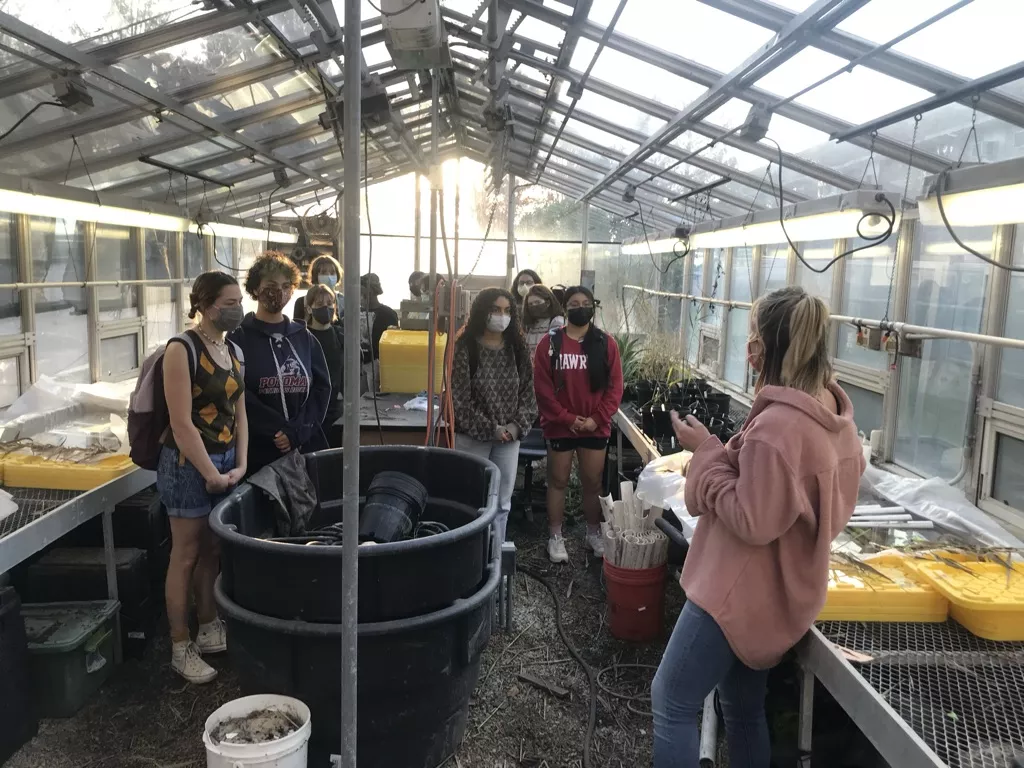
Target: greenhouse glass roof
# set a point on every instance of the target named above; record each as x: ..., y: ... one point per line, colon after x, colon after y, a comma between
x: 619, y: 102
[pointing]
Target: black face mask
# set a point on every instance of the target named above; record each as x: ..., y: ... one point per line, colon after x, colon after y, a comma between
x: 581, y: 316
x: 323, y: 315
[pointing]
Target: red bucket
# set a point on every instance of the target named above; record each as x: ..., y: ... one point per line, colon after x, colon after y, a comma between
x: 636, y: 601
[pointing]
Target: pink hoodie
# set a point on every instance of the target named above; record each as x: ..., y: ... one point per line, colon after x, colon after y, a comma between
x: 771, y: 502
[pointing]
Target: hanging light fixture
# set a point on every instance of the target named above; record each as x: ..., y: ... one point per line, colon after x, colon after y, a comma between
x: 860, y: 213
x: 975, y: 196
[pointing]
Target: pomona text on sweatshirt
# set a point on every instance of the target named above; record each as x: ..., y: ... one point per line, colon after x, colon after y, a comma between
x: 771, y: 501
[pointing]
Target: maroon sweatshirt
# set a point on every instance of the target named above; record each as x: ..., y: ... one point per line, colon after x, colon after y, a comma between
x: 558, y: 410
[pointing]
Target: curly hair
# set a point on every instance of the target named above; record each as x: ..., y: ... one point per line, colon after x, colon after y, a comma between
x: 206, y: 289
x: 322, y: 262
x: 469, y: 335
x: 270, y: 263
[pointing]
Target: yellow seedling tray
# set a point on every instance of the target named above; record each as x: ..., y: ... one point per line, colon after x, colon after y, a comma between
x: 24, y: 471
x: 857, y: 594
x: 986, y: 598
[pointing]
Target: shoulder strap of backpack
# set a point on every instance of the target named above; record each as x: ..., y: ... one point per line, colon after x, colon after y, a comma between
x: 190, y: 351
x: 555, y: 352
x: 238, y: 354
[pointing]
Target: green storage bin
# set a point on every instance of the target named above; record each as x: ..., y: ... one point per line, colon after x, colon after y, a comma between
x: 71, y: 652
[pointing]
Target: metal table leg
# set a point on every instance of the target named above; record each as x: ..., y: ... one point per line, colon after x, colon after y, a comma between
x: 805, y: 732
x: 618, y: 453
x: 111, y: 563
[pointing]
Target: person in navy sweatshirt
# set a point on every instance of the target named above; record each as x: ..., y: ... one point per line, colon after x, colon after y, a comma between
x: 288, y: 386
x: 577, y: 374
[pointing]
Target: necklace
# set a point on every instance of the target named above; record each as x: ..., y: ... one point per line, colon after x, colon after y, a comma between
x: 220, y: 346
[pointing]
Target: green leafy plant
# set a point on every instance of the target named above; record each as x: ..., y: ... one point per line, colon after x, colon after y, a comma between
x: 630, y: 352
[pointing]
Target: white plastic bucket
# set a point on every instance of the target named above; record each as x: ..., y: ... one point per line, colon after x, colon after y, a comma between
x: 289, y: 752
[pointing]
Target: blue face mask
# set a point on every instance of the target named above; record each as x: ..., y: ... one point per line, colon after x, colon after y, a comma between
x: 329, y: 280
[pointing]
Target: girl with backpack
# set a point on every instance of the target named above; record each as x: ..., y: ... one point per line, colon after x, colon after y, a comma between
x: 286, y: 375
x: 321, y: 320
x: 492, y: 389
x: 203, y: 456
x: 578, y: 376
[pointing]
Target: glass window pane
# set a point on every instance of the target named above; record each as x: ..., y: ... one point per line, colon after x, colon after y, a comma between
x: 1008, y: 480
x: 62, y: 335
x: 741, y: 277
x: 10, y: 380
x: 1011, y: 376
x: 195, y: 256
x: 774, y: 266
x: 224, y: 254
x: 694, y: 309
x: 712, y: 313
x: 119, y: 355
x: 867, y: 284
x: 637, y: 76
x: 10, y: 300
x: 115, y: 260
x: 819, y: 284
x: 736, y: 351
x: 947, y: 290
x: 161, y: 307
x: 867, y: 407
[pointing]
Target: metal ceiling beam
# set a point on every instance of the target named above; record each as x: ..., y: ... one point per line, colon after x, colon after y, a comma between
x: 707, y: 76
x: 84, y: 61
x: 246, y: 117
x: 789, y: 41
x: 965, y: 91
x: 891, y: 63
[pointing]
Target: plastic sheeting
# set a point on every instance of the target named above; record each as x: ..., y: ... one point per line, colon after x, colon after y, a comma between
x: 936, y: 500
x: 661, y: 484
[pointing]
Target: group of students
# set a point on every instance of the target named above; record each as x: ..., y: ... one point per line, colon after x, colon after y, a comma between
x: 524, y: 353
x: 770, y: 501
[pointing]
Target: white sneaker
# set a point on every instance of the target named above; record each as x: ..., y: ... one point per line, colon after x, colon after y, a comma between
x: 596, y: 543
x: 556, y: 550
x: 187, y: 662
x: 212, y: 637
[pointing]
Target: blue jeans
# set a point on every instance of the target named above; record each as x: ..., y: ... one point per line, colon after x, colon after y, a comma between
x: 698, y: 658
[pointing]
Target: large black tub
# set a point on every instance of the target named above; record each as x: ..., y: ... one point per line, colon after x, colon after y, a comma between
x: 415, y: 676
x: 396, y: 581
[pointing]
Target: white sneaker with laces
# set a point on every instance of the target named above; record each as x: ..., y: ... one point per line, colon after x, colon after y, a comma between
x: 596, y: 543
x: 212, y: 637
x: 186, y: 661
x: 556, y: 550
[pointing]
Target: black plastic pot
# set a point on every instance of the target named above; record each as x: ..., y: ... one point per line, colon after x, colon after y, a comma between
x: 397, y: 580
x: 415, y: 676
x: 662, y: 421
x: 644, y: 392
x: 394, y: 503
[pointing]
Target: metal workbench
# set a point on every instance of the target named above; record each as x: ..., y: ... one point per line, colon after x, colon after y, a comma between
x: 44, y: 516
x: 925, y: 695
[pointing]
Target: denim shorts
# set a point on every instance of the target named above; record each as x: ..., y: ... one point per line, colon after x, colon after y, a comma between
x: 182, y: 488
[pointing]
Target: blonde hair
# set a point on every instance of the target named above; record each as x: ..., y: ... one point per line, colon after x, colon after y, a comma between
x: 315, y: 292
x: 793, y: 328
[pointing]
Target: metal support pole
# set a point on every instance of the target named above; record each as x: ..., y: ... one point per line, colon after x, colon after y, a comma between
x: 350, y: 444
x: 417, y: 226
x: 585, y: 236
x: 709, y: 733
x: 435, y: 192
x: 805, y: 730
x: 510, y: 262
x: 110, y: 559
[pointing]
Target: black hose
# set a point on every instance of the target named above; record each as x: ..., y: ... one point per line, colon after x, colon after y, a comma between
x: 588, y: 739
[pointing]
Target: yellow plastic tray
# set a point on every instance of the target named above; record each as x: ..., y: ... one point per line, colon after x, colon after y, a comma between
x: 856, y: 594
x: 23, y: 471
x: 986, y: 598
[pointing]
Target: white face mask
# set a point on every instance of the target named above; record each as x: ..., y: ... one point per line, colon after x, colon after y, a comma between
x: 498, y: 323
x: 524, y: 289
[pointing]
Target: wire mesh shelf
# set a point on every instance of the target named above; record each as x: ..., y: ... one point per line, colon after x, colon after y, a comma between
x: 33, y: 503
x: 964, y: 696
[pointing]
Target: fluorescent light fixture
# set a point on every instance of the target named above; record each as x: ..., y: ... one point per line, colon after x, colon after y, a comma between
x: 663, y: 245
x: 978, y: 196
x: 54, y: 201
x: 828, y: 218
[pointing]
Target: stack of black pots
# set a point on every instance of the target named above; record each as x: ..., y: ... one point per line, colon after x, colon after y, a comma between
x: 426, y: 607
x: 692, y: 396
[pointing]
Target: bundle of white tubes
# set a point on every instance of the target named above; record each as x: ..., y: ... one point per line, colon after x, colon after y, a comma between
x: 631, y: 539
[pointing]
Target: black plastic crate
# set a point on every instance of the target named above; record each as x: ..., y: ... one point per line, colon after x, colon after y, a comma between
x: 18, y: 722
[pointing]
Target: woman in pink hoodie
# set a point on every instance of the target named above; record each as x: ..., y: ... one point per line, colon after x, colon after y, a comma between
x: 770, y: 503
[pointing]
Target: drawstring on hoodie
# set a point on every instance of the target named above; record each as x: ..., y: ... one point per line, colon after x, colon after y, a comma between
x: 280, y: 376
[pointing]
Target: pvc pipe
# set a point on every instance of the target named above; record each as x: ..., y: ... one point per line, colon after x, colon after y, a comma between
x: 924, y: 525
x: 875, y: 509
x: 350, y: 464
x: 709, y: 733
x: 881, y: 519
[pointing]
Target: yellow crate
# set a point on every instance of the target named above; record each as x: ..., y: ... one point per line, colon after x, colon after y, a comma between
x: 856, y: 594
x: 403, y: 361
x: 24, y: 471
x: 986, y: 598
